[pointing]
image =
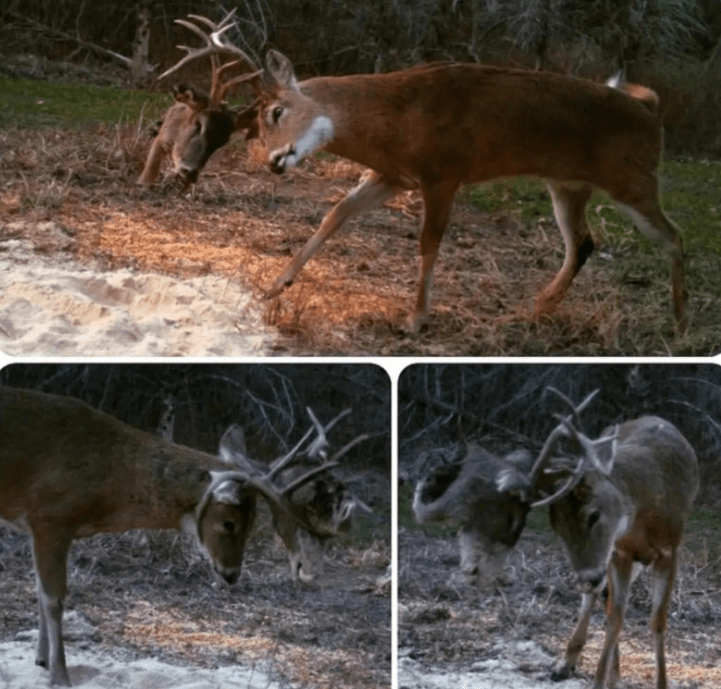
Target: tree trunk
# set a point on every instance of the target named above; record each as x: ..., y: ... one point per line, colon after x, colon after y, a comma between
x: 140, y: 70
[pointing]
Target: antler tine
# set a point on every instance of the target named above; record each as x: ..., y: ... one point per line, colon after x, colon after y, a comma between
x: 217, y: 38
x: 556, y: 434
x: 237, y: 80
x: 287, y: 490
x: 210, y: 23
x: 215, y: 44
x: 589, y: 459
x: 279, y: 464
x: 575, y: 410
x: 560, y: 431
x: 346, y: 448
x: 331, y: 424
x: 320, y: 444
x: 195, y: 29
x: 193, y: 54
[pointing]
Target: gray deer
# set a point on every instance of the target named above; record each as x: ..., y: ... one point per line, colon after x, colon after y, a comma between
x: 621, y: 500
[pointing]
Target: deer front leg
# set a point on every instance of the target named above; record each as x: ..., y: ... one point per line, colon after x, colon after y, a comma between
x: 50, y: 555
x: 564, y: 668
x: 372, y: 192
x: 620, y: 571
x: 152, y: 164
x: 663, y: 574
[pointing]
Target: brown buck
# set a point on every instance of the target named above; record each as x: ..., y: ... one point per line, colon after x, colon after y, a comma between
x: 439, y: 126
x: 623, y: 502
x: 324, y: 502
x: 197, y: 124
x: 69, y: 471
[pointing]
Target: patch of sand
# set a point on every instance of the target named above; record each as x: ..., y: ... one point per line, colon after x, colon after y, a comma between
x: 60, y: 307
x: 93, y: 671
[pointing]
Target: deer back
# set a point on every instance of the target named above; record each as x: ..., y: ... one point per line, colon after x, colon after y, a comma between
x: 466, y: 491
x: 463, y: 122
x: 76, y: 471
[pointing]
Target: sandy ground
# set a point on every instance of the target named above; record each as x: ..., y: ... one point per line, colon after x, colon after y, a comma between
x: 53, y: 305
x: 93, y: 671
x: 519, y: 665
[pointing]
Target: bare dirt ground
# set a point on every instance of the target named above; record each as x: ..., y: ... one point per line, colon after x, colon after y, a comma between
x: 511, y: 633
x: 144, y: 598
x: 241, y: 224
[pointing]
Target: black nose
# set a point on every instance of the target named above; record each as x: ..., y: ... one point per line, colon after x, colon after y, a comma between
x: 276, y: 166
x: 188, y: 176
x: 232, y: 577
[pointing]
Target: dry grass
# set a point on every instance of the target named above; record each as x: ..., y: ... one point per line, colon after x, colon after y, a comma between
x: 447, y: 625
x: 152, y: 594
x: 353, y: 298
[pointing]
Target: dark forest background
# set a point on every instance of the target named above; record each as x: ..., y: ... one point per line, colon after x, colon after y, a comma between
x: 670, y: 45
x: 507, y: 406
x: 268, y: 401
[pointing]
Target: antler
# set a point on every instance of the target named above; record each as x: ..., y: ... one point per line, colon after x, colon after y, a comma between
x: 216, y: 43
x: 319, y: 447
x: 249, y: 472
x: 563, y: 430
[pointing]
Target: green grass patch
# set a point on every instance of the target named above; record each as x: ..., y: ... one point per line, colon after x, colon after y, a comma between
x: 525, y: 196
x: 27, y: 103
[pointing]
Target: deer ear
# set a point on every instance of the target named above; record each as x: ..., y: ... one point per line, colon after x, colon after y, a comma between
x: 232, y: 444
x: 281, y: 70
x: 193, y: 98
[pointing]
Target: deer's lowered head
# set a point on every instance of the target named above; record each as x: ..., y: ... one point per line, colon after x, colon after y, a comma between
x: 323, y: 502
x: 198, y: 124
x: 465, y: 491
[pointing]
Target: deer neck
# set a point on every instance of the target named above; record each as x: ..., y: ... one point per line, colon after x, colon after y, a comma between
x: 357, y: 108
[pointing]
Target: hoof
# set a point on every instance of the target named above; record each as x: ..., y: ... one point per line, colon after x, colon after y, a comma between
x: 276, y: 290
x: 414, y: 324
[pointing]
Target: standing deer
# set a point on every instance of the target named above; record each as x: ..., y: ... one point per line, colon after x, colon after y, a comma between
x: 324, y: 501
x: 69, y: 471
x: 436, y: 127
x: 197, y: 124
x: 624, y: 501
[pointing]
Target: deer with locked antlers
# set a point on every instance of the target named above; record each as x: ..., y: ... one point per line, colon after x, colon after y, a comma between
x: 324, y: 501
x: 621, y: 501
x: 69, y: 471
x: 436, y: 127
x: 198, y: 124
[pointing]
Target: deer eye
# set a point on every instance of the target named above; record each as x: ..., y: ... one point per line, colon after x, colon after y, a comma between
x: 277, y: 112
x: 229, y: 526
x: 593, y: 518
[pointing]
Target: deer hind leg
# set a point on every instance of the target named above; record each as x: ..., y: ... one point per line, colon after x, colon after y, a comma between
x: 564, y: 668
x: 620, y: 571
x: 50, y: 555
x: 437, y: 204
x: 569, y: 207
x: 663, y: 574
x: 644, y: 210
x: 372, y: 192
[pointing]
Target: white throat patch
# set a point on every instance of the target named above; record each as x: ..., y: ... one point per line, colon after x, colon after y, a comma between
x: 316, y: 136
